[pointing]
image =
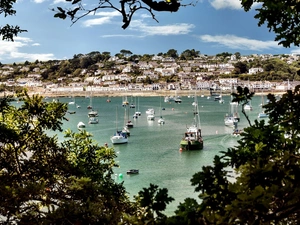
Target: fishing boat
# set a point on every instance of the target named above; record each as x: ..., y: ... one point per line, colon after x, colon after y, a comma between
x: 119, y: 137
x: 192, y: 139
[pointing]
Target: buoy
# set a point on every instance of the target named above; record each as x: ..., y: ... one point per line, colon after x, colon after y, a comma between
x: 180, y: 149
x: 120, y: 175
x: 216, y: 132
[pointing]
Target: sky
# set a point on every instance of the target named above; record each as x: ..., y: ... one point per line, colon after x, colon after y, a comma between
x: 208, y: 26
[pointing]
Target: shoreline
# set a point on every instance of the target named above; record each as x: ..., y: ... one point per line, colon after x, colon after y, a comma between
x: 134, y: 93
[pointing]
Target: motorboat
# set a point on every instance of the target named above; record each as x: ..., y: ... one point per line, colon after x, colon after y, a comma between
x: 150, y: 111
x: 161, y: 121
x: 132, y: 171
x: 93, y: 120
x: 150, y: 117
x: 80, y: 125
x: 248, y: 106
x: 129, y: 124
x: 230, y: 120
x: 93, y: 113
x: 71, y: 112
x: 135, y: 115
x: 262, y: 115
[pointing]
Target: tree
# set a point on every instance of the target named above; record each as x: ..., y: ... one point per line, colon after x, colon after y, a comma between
x: 8, y: 32
x: 45, y: 182
x: 256, y: 182
x: 127, y: 8
x: 281, y: 16
x: 189, y: 54
x: 172, y: 53
x: 240, y: 67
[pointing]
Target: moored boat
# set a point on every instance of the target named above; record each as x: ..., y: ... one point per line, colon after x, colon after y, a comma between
x: 192, y: 139
x: 132, y: 171
x: 80, y: 125
x: 93, y: 120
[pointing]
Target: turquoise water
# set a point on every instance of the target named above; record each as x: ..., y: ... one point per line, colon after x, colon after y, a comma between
x: 153, y: 148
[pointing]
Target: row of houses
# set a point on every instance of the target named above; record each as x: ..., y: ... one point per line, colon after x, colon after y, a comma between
x: 153, y: 70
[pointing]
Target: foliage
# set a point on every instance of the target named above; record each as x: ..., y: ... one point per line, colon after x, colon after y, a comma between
x: 149, y: 205
x: 257, y: 181
x: 127, y: 8
x: 8, y: 32
x: 45, y: 182
x: 281, y: 16
x: 243, y: 96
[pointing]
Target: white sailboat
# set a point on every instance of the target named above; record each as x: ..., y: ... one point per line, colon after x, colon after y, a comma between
x: 92, y: 112
x: 129, y: 123
x: 262, y: 113
x: 137, y: 113
x: 161, y: 120
x: 232, y: 117
x: 119, y: 137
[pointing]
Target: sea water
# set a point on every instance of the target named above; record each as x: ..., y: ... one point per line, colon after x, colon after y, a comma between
x: 154, y: 148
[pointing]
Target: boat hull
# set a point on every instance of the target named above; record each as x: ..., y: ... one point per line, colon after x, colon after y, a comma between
x: 118, y: 140
x: 191, y: 145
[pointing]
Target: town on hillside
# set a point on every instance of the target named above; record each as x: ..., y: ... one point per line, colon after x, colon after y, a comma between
x: 103, y: 74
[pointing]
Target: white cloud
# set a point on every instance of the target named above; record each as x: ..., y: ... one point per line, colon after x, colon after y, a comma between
x: 173, y: 29
x: 231, y: 4
x: 39, y: 1
x: 12, y: 50
x: 32, y: 57
x: 234, y: 42
x: 98, y: 21
x: 105, y: 18
x: 108, y: 14
x: 58, y: 1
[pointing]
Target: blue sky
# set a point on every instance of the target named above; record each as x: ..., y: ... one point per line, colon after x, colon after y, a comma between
x: 211, y: 27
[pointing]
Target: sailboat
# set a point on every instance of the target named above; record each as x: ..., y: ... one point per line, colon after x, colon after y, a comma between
x: 119, y: 137
x: 177, y: 98
x: 232, y: 117
x: 262, y: 113
x: 92, y: 112
x: 161, y: 120
x: 125, y: 101
x: 248, y: 106
x: 192, y: 139
x: 129, y: 123
x: 137, y: 113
